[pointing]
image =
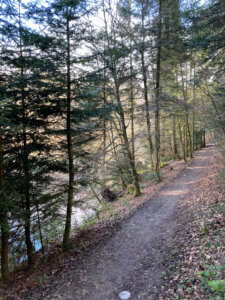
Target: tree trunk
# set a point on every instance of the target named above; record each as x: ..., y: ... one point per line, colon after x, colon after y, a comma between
x: 121, y: 113
x: 187, y: 132
x: 131, y: 86
x: 203, y: 139
x: 69, y: 142
x: 104, y: 143
x: 124, y: 185
x: 27, y: 190
x: 4, y: 221
x: 132, y: 108
x: 126, y: 142
x: 175, y: 149
x: 193, y: 115
x: 193, y: 131
x: 190, y: 138
x: 182, y: 142
x: 147, y: 107
x: 104, y: 128
x: 25, y: 159
x: 157, y: 95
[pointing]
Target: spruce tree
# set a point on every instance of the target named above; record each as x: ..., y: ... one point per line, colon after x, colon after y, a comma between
x: 30, y: 97
x: 79, y: 92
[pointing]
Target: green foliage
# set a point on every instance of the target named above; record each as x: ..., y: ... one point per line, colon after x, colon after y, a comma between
x: 130, y: 189
x: 217, y: 285
x: 120, y: 169
x: 150, y: 176
x: 88, y: 222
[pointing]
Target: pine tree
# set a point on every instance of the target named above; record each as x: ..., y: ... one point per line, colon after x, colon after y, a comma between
x: 79, y: 93
x: 30, y: 101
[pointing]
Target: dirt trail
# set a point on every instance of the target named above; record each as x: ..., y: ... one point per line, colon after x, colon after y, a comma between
x: 133, y: 258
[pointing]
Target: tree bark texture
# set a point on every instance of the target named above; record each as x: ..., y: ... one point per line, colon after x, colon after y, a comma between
x: 4, y: 220
x: 157, y: 94
x: 69, y: 141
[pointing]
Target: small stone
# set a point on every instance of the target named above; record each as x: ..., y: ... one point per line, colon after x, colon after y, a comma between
x: 124, y: 295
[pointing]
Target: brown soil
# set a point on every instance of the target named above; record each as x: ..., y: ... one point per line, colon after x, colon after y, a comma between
x: 133, y: 258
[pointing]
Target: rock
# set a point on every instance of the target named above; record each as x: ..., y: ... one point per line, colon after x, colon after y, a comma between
x: 124, y: 295
x: 108, y: 195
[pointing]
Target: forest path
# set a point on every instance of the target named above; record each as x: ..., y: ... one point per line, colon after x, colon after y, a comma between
x: 132, y: 259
